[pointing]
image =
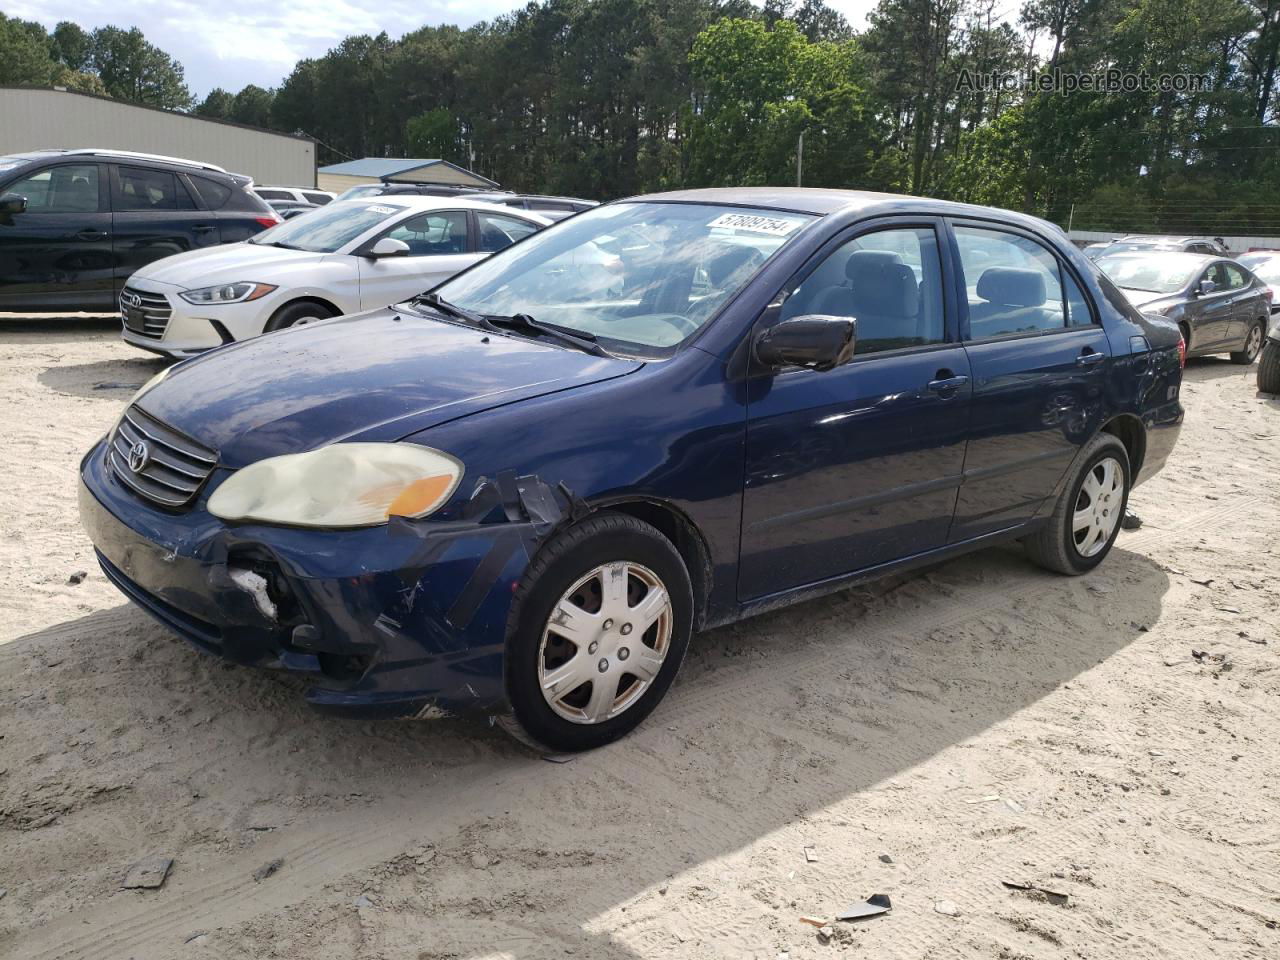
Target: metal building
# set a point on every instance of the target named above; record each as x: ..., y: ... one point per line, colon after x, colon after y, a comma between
x: 340, y: 176
x: 36, y: 117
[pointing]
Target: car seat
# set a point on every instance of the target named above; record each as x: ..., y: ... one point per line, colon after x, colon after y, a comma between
x: 1014, y: 300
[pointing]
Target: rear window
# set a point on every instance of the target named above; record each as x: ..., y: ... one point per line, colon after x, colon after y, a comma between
x: 319, y: 199
x: 214, y: 194
x: 149, y: 190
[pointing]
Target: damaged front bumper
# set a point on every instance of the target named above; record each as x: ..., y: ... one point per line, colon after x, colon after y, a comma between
x: 404, y: 619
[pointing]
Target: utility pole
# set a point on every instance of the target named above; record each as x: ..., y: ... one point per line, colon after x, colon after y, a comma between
x: 1070, y: 217
x: 800, y: 159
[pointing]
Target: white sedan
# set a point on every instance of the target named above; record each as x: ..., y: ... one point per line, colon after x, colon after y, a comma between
x: 346, y: 257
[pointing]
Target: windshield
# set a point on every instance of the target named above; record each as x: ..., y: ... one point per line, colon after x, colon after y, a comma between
x: 328, y: 228
x: 1265, y: 266
x: 642, y: 275
x: 361, y: 191
x: 1167, y: 273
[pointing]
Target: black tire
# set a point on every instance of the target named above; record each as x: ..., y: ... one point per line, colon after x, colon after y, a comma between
x: 291, y: 313
x: 1185, y: 330
x: 575, y: 553
x: 1253, y: 341
x: 1053, y: 546
x: 1269, y: 368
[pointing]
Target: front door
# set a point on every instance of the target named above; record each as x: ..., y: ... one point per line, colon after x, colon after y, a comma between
x: 857, y: 466
x: 1039, y: 359
x: 1211, y: 313
x: 156, y: 215
x: 57, y: 254
x: 439, y: 246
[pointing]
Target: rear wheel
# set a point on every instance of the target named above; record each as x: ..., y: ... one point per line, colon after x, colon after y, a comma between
x: 1252, y: 344
x: 603, y: 619
x: 1269, y: 368
x: 1086, y: 519
x: 297, y: 314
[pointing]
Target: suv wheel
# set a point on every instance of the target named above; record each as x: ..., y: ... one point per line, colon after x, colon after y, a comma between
x: 1086, y: 519
x: 602, y: 622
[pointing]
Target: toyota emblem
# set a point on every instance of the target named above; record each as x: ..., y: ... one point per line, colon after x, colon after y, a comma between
x: 139, y: 457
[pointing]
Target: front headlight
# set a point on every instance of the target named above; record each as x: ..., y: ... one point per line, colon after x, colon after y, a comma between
x: 341, y: 485
x: 241, y: 292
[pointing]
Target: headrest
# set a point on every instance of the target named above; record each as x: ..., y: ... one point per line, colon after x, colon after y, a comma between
x: 1012, y: 287
x: 861, y: 261
x: 730, y: 262
x: 888, y: 290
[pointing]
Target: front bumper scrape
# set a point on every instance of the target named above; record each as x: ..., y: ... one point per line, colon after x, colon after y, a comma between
x: 409, y: 618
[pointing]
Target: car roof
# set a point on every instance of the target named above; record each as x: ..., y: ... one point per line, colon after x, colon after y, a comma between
x: 413, y: 201
x: 822, y: 201
x: 1170, y: 256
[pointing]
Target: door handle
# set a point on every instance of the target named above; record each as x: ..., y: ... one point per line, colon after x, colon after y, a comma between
x: 91, y: 234
x: 203, y: 228
x: 1089, y: 357
x: 947, y: 385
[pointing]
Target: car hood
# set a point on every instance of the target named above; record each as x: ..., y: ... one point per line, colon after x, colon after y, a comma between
x: 226, y: 263
x: 379, y: 376
x: 1140, y: 298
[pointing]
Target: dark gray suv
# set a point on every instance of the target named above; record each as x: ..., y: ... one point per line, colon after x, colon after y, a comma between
x: 74, y: 224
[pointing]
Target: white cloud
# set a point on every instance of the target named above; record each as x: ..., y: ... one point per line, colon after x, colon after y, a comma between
x: 236, y: 42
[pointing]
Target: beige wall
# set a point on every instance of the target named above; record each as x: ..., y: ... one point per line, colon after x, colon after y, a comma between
x: 31, y: 119
x: 337, y: 182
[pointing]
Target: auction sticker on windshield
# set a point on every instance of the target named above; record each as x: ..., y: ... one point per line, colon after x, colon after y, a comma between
x: 378, y: 209
x: 774, y: 226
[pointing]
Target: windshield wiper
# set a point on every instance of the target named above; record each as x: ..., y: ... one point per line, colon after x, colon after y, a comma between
x: 577, y: 339
x: 438, y: 303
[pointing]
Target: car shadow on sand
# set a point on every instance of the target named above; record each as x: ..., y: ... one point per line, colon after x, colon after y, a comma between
x: 103, y: 379
x: 772, y: 720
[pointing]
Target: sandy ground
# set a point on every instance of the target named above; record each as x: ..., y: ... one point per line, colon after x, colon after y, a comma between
x: 980, y: 722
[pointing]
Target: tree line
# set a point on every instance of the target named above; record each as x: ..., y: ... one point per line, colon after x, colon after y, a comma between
x: 604, y: 98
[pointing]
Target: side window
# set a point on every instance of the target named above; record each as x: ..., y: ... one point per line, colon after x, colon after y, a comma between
x: 433, y: 234
x: 1235, y: 276
x: 890, y: 281
x: 72, y: 188
x: 319, y: 199
x: 151, y: 190
x: 1078, y: 314
x: 214, y: 194
x: 1217, y: 276
x: 1012, y: 283
x: 497, y: 231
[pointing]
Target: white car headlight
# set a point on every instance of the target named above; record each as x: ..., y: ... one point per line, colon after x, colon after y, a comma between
x: 341, y: 485
x: 240, y: 292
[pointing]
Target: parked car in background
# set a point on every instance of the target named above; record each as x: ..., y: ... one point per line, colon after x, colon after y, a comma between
x: 1138, y: 243
x: 1269, y: 364
x: 1095, y: 250
x: 1219, y: 306
x: 75, y: 224
x: 1265, y: 265
x: 554, y: 208
x: 309, y: 195
x: 350, y: 256
x: 512, y: 495
x: 288, y: 209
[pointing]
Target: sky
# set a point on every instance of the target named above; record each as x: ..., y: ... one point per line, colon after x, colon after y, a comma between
x: 235, y: 42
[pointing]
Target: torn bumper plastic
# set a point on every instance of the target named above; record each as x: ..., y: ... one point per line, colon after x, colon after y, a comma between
x: 404, y: 619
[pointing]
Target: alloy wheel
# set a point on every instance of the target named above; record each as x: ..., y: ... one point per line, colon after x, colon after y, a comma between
x: 605, y: 642
x: 1254, y: 343
x: 1098, y: 507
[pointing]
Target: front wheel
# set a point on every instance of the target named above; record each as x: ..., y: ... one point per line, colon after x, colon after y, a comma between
x: 1252, y: 344
x: 1086, y: 519
x: 1269, y: 368
x: 603, y: 618
x: 296, y: 315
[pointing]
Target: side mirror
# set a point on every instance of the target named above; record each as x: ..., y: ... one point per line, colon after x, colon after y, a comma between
x: 1205, y: 287
x: 11, y: 203
x: 815, y: 341
x: 388, y: 247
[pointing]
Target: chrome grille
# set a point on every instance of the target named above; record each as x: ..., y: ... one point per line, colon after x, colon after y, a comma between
x: 157, y: 462
x: 154, y: 309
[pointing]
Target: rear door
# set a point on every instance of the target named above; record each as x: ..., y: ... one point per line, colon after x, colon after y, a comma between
x: 1211, y: 313
x: 856, y: 466
x: 156, y: 214
x: 1245, y: 305
x: 440, y: 244
x: 1039, y: 359
x: 495, y: 232
x: 57, y: 254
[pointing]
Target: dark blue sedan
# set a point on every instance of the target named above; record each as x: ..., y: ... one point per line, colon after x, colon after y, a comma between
x: 522, y: 492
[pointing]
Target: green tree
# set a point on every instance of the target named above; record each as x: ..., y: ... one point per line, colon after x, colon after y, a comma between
x: 216, y: 105
x: 133, y: 69
x: 252, y: 106
x: 72, y: 46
